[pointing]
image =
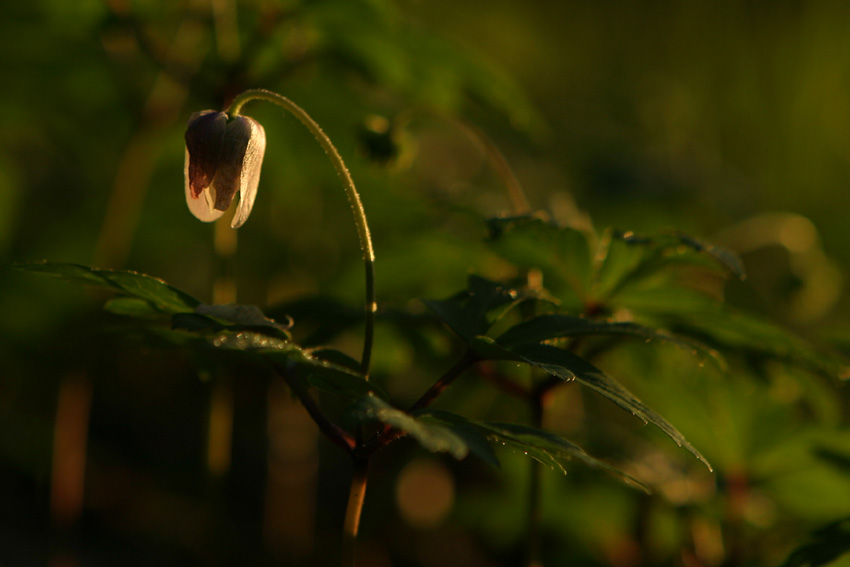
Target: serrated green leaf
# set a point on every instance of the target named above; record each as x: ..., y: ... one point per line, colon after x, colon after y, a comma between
x: 567, y: 366
x: 336, y: 379
x: 432, y: 436
x: 552, y: 326
x: 466, y: 313
x: 562, y: 254
x: 336, y: 357
x: 153, y: 290
x: 242, y: 315
x: 247, y: 335
x: 551, y: 358
x: 341, y: 384
x: 625, y: 260
x: 544, y: 446
x: 337, y: 373
x: 534, y: 441
x: 474, y: 438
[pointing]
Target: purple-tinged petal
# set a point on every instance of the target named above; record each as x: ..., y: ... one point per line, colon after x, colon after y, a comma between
x: 228, y: 175
x: 252, y: 163
x: 205, y: 141
x: 201, y: 205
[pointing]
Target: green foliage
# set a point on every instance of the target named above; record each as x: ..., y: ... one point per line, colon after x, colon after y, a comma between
x: 827, y: 545
x: 658, y: 323
x: 431, y: 436
x: 500, y: 322
x: 155, y: 292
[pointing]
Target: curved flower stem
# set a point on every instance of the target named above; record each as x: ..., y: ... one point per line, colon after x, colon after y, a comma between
x: 492, y: 153
x: 519, y: 200
x: 351, y: 193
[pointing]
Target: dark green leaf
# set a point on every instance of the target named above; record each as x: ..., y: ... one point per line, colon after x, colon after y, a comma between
x: 336, y: 357
x: 432, y: 436
x: 828, y: 544
x: 133, y: 307
x: 567, y: 364
x: 537, y: 443
x: 626, y: 260
x: 242, y: 315
x: 337, y: 373
x: 543, y: 446
x: 472, y: 435
x: 164, y: 297
x: 568, y: 367
x: 552, y: 326
x: 466, y: 312
x: 562, y: 254
x: 213, y: 318
x: 334, y: 380
x: 195, y: 323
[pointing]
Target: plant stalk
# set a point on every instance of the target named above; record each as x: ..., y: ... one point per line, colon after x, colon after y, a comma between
x: 351, y: 193
x: 356, y: 496
x: 469, y: 358
x: 334, y: 433
x: 360, y: 474
x: 535, y: 543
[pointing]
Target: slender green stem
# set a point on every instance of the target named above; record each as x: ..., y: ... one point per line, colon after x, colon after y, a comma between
x: 351, y: 193
x: 334, y: 433
x: 535, y: 546
x: 500, y: 164
x: 497, y: 160
x: 469, y: 358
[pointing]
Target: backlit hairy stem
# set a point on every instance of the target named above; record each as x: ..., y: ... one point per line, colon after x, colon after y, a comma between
x: 350, y: 191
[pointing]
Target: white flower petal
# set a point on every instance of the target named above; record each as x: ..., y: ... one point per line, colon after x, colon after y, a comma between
x: 203, y: 205
x: 252, y: 164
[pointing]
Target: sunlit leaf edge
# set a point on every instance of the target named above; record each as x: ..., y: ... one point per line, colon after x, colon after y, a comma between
x: 543, y: 446
x: 568, y: 367
x: 551, y: 326
x: 157, y: 292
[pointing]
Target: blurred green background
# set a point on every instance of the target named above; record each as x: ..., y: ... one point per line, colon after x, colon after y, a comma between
x: 726, y: 119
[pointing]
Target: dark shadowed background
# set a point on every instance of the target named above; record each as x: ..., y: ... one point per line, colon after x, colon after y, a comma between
x: 726, y: 119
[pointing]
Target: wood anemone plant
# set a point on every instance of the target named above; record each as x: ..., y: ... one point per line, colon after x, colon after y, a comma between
x: 224, y: 155
x: 570, y: 299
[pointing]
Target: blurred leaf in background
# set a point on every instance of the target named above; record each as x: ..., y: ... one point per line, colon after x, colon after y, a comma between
x: 659, y: 119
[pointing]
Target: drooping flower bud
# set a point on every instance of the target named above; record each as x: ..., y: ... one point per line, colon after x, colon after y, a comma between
x: 223, y: 156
